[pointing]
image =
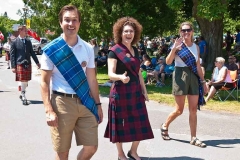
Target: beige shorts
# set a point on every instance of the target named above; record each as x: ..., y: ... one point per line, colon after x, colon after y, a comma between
x: 185, y: 82
x: 72, y: 117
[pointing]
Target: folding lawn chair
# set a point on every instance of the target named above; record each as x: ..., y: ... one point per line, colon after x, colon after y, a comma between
x: 229, y: 91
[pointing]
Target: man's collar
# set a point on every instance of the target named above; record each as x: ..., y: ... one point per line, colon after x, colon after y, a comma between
x: 21, y: 37
x: 79, y: 41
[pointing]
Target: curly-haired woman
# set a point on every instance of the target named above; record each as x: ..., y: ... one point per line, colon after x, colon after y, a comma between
x: 127, y: 116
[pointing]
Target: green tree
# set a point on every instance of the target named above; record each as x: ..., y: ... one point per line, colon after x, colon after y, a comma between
x: 6, y: 25
x: 98, y: 16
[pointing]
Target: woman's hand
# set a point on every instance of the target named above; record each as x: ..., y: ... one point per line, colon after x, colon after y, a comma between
x: 209, y: 83
x: 124, y: 78
x: 146, y: 96
x: 178, y: 43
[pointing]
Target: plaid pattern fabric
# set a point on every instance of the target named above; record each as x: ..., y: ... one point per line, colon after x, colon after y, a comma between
x: 127, y: 114
x: 120, y: 50
x: 188, y: 58
x: 66, y: 62
x: 23, y: 74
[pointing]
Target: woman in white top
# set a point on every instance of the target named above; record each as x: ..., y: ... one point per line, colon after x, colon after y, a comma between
x: 185, y: 82
x: 220, y: 76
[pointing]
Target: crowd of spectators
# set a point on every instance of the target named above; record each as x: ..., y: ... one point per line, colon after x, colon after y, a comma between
x: 153, y: 52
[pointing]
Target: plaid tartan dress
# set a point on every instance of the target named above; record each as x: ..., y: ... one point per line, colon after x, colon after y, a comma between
x: 23, y: 74
x: 127, y: 114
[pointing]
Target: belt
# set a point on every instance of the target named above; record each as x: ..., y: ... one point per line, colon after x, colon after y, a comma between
x: 65, y: 94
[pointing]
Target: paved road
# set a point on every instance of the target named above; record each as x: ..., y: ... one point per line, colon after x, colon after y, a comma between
x: 24, y: 134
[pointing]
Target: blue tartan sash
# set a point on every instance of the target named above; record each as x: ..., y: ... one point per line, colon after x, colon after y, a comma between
x: 189, y: 59
x: 68, y: 65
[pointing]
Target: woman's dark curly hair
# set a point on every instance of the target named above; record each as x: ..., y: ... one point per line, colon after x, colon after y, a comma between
x: 118, y: 29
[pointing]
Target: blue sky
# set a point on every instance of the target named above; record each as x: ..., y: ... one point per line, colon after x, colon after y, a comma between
x: 11, y: 7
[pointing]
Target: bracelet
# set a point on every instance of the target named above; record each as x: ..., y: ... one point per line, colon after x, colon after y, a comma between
x: 203, y: 81
x: 98, y: 104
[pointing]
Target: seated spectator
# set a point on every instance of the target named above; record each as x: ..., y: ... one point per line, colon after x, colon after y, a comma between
x: 107, y: 84
x: 157, y: 70
x: 220, y: 77
x: 144, y: 73
x: 168, y: 69
x: 231, y: 64
x: 146, y: 60
x: 102, y: 60
x: 238, y: 72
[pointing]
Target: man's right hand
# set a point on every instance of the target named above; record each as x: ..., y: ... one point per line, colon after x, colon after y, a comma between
x: 14, y: 70
x: 52, y: 119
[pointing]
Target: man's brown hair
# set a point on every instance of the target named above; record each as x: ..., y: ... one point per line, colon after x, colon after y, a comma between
x: 21, y: 27
x: 68, y: 8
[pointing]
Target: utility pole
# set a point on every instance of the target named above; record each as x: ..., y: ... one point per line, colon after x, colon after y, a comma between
x: 25, y: 11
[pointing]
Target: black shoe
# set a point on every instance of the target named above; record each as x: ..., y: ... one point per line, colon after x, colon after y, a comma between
x: 8, y: 68
x: 130, y: 156
x: 25, y: 102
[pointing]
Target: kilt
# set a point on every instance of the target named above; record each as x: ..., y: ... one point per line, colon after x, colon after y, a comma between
x: 7, y: 56
x: 23, y: 74
x: 127, y: 114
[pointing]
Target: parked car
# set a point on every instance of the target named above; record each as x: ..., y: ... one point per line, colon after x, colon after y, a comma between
x: 37, y: 46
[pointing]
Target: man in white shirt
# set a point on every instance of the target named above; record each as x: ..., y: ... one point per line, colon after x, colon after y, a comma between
x: 65, y: 112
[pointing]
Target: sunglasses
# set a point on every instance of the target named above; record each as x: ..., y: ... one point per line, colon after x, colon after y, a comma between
x: 186, y: 30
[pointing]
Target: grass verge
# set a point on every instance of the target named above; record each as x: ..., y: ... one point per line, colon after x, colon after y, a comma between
x: 163, y: 94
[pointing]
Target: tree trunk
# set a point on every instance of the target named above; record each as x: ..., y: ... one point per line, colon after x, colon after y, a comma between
x: 213, y: 34
x: 212, y: 31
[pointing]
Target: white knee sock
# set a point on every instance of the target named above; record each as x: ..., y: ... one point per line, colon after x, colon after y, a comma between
x: 24, y: 85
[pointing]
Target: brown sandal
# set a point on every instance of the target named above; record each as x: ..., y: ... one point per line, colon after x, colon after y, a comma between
x: 198, y: 143
x: 164, y: 133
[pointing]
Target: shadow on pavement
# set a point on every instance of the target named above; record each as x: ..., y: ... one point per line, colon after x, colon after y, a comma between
x: 179, y: 140
x: 219, y: 142
x: 5, y: 91
x: 216, y: 143
x: 171, y: 158
x: 35, y: 102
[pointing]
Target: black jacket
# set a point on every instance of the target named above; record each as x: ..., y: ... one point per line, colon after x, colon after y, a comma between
x: 20, y: 52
